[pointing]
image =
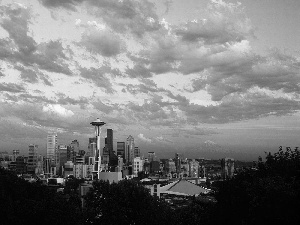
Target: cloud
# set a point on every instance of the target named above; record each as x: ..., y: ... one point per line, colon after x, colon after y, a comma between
x: 143, y: 138
x: 137, y: 17
x: 58, y: 109
x: 99, y: 76
x: 162, y: 139
x: 67, y: 4
x: 238, y: 108
x: 23, y: 49
x: 11, y: 87
x: 99, y: 39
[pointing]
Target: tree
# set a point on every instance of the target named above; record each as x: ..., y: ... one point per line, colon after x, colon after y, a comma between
x: 126, y: 202
x: 267, y: 195
x: 22, y: 202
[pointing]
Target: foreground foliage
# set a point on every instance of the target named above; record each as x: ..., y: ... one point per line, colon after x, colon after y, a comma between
x: 22, y: 202
x: 268, y: 195
x: 127, y: 202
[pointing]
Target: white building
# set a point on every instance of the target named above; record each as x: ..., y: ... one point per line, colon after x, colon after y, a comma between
x: 52, y: 147
x: 138, y: 165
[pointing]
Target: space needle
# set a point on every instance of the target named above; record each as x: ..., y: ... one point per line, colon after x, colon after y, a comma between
x: 97, y: 166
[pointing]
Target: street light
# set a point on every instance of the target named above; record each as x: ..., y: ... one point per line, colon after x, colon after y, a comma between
x: 97, y: 167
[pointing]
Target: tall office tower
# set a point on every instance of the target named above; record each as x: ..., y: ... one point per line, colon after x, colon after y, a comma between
x: 137, y: 152
x: 227, y: 167
x: 109, y: 141
x: 113, y: 159
x: 52, y: 147
x: 92, y: 147
x: 32, y: 158
x: 177, y: 160
x: 63, y: 157
x: 15, y: 154
x: 151, y: 156
x: 121, y: 149
x: 72, y: 151
x: 129, y: 151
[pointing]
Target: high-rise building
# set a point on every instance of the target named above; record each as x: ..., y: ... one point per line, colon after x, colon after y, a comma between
x: 178, y: 158
x: 227, y: 167
x: 15, y: 154
x: 138, y: 165
x: 32, y: 158
x: 52, y: 148
x: 151, y: 156
x: 129, y: 151
x: 92, y: 147
x: 63, y: 157
x: 121, y: 149
x: 137, y: 152
x: 113, y: 159
x: 72, y: 150
x: 109, y: 141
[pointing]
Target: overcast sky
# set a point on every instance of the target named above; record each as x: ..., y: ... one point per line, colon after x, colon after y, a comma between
x: 208, y: 78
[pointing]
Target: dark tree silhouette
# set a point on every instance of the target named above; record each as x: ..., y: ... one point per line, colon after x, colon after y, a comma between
x: 127, y: 202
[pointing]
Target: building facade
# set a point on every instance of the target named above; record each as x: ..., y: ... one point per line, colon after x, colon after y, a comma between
x: 52, y: 147
x: 138, y: 165
x: 32, y: 158
x: 129, y: 151
x: 121, y: 149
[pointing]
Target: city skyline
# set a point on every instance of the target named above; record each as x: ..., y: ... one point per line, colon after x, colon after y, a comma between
x: 206, y: 78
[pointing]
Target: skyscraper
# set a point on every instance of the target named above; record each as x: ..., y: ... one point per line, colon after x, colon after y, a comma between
x: 113, y: 159
x: 32, y: 158
x: 129, y: 151
x: 121, y: 149
x: 72, y: 150
x: 151, y: 156
x: 137, y: 152
x: 92, y: 147
x: 52, y: 147
x: 109, y: 141
x: 62, y: 152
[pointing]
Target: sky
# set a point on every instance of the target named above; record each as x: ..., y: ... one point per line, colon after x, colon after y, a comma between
x: 206, y: 78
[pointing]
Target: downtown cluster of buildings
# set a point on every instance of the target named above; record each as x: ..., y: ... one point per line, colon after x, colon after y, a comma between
x: 65, y: 160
